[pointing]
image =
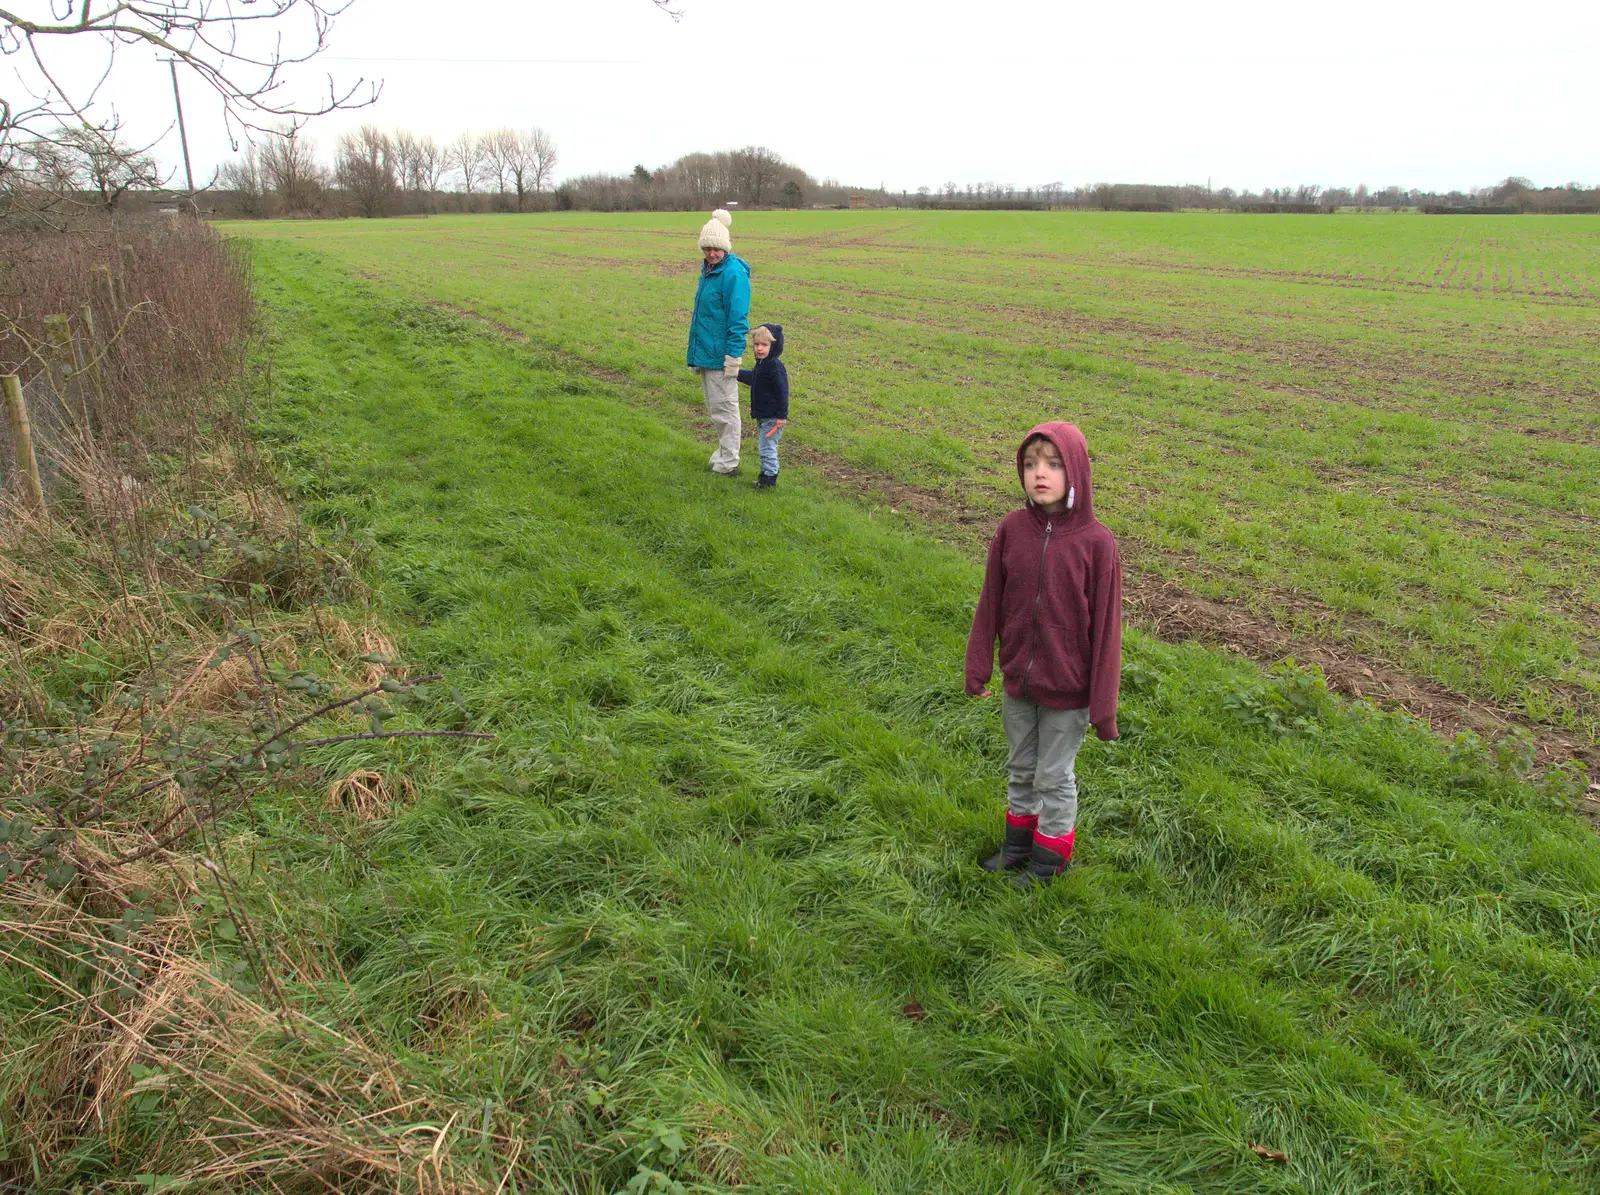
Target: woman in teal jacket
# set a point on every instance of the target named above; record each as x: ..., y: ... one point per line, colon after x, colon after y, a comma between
x: 717, y: 336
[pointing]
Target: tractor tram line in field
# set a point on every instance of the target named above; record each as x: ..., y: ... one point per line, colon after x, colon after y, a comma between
x: 1155, y: 603
x: 1403, y: 474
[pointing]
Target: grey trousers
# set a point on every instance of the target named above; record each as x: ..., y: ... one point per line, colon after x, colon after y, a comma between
x: 1044, y: 745
x: 722, y: 405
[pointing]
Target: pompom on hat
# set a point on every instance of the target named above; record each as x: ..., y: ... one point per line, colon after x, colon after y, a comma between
x: 715, y: 233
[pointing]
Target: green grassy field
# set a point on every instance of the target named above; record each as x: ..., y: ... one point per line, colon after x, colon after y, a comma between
x: 706, y: 912
x: 1379, y: 436
x: 716, y: 876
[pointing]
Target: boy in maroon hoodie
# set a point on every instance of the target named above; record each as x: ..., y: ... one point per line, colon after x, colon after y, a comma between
x: 1052, y: 596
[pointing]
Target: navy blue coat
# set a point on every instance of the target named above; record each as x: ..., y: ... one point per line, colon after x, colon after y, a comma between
x: 769, y: 381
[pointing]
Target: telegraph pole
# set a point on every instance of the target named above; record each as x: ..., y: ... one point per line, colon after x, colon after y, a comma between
x: 183, y: 134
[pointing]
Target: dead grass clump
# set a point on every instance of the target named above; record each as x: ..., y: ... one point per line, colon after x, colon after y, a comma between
x: 270, y: 1096
x: 16, y: 600
x: 377, y: 651
x: 369, y: 794
x: 220, y: 684
x: 381, y: 656
x: 204, y: 1077
x: 716, y: 1158
x: 454, y: 1012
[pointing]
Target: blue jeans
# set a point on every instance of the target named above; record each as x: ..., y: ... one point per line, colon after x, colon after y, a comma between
x: 768, y: 445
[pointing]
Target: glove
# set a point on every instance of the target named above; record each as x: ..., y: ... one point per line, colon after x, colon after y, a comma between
x: 730, y: 366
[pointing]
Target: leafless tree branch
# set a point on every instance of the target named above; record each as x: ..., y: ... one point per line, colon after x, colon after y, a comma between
x: 241, y: 50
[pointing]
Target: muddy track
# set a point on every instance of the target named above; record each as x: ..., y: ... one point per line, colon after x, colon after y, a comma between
x: 1169, y: 611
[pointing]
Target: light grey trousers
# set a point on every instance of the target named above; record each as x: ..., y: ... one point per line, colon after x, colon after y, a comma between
x: 722, y: 405
x: 1044, y: 745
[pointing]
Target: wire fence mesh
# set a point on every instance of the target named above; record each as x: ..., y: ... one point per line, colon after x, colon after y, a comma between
x: 121, y: 335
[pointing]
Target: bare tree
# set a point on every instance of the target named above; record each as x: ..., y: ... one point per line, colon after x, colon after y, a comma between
x: 517, y: 152
x: 405, y: 156
x: 106, y: 165
x: 429, y: 164
x: 542, y: 151
x: 419, y: 162
x: 502, y: 151
x: 527, y: 158
x: 244, y: 177
x: 755, y: 171
x: 465, y: 156
x: 365, y: 170
x: 289, y: 165
x: 241, y: 50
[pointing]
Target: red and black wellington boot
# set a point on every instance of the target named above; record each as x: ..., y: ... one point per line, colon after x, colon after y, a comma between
x: 1017, y: 847
x: 1051, y: 854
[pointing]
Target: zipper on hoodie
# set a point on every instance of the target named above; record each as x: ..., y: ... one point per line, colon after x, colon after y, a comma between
x: 1038, y: 593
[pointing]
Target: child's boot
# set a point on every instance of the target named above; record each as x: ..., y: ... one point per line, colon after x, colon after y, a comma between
x: 1017, y: 847
x: 766, y: 481
x: 1050, y: 856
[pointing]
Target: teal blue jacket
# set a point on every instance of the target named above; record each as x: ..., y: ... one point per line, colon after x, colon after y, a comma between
x: 721, y: 314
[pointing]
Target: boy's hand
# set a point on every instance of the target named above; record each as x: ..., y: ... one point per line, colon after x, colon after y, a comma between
x: 982, y: 694
x: 730, y: 366
x: 781, y: 423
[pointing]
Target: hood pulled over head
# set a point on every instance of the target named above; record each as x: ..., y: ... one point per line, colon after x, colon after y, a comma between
x: 777, y: 340
x: 1074, y: 450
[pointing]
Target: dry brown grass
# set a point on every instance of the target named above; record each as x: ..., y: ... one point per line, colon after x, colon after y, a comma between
x: 369, y: 794
x: 262, y: 1095
x: 272, y: 1094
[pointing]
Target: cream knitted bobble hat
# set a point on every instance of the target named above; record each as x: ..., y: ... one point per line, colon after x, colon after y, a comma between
x: 715, y: 233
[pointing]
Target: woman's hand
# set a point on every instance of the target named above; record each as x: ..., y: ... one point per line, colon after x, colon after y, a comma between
x: 730, y: 366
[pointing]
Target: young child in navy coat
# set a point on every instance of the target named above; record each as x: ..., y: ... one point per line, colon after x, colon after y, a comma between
x: 769, y: 398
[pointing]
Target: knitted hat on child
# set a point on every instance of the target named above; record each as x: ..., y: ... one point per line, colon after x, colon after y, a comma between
x: 715, y: 233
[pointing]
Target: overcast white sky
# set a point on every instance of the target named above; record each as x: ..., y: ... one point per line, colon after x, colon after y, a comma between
x: 1247, y: 94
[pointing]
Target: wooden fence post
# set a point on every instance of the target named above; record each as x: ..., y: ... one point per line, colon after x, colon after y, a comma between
x: 64, y: 372
x: 22, y: 440
x: 93, y: 350
x: 129, y: 260
x: 113, y: 307
x: 58, y: 335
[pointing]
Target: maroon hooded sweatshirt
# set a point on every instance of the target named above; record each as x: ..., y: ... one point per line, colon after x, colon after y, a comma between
x: 1052, y: 595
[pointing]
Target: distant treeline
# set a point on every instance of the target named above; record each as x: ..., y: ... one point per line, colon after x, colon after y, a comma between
x: 1511, y: 195
x: 374, y: 172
